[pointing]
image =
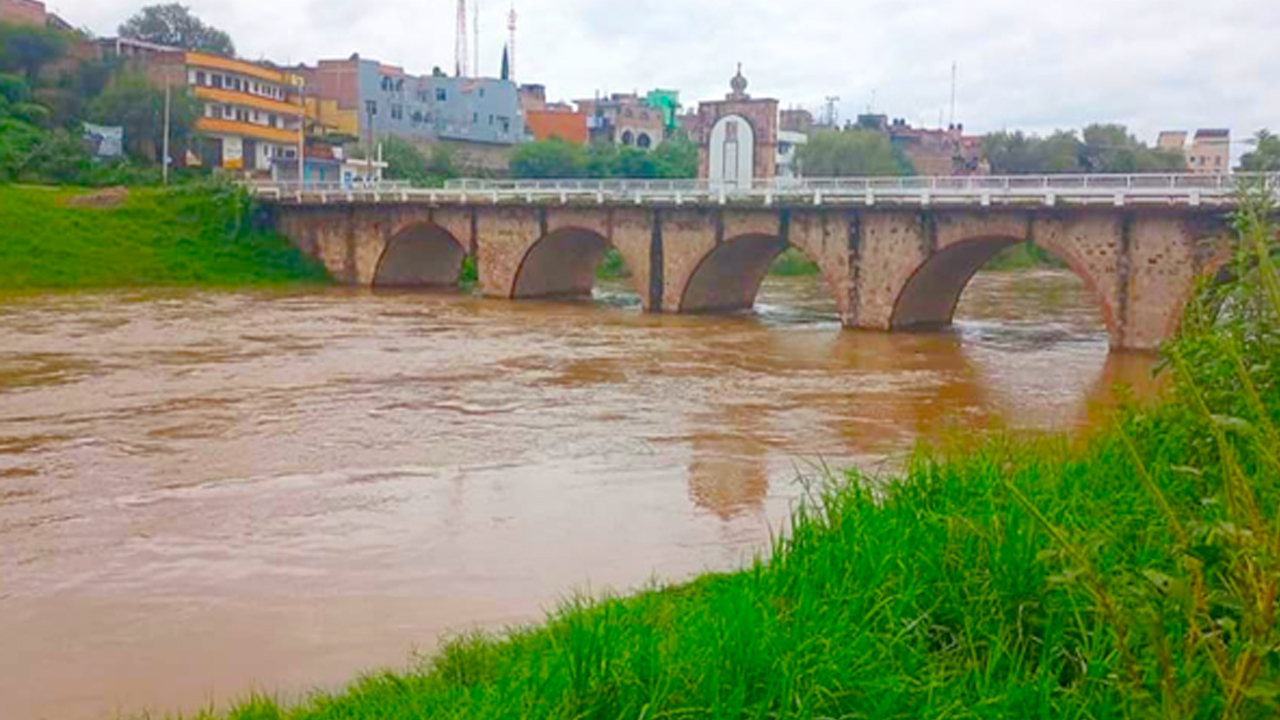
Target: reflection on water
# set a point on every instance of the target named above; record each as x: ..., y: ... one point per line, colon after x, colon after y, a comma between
x: 203, y: 494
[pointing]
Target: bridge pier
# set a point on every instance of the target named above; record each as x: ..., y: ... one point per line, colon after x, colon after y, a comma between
x: 889, y: 268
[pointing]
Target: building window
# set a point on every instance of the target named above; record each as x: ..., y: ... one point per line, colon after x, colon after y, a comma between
x: 491, y: 120
x: 216, y: 80
x: 628, y: 138
x: 506, y: 125
x: 272, y: 121
x: 442, y: 95
x: 481, y: 92
x: 199, y: 77
x: 643, y: 142
x: 397, y: 112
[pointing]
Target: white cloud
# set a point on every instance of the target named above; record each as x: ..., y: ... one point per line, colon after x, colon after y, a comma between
x: 1150, y: 64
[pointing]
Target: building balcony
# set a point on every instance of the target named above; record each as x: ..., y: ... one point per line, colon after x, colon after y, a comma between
x: 215, y: 62
x: 235, y: 128
x: 243, y: 99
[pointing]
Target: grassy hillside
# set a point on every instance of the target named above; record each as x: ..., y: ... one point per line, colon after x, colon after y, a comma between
x: 198, y: 236
x: 1132, y: 575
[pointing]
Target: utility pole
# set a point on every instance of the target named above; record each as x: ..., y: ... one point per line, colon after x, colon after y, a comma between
x: 168, y: 103
x: 475, y: 69
x: 371, y: 107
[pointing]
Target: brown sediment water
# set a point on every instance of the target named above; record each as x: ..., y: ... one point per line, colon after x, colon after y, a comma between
x: 208, y: 494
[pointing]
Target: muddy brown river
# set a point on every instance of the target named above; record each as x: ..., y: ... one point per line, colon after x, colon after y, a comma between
x: 208, y: 494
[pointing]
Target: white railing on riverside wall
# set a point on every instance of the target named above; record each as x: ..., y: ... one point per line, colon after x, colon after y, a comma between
x: 1120, y: 190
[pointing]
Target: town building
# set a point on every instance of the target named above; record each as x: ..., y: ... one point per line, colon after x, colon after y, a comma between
x: 1210, y: 152
x: 666, y: 102
x: 789, y: 143
x: 24, y: 12
x: 624, y: 119
x: 796, y: 120
x: 251, y: 114
x: 1172, y: 141
x: 737, y: 138
x: 533, y: 97
x: 480, y: 118
x: 558, y: 122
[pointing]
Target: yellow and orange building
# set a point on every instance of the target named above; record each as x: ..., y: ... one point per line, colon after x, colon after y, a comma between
x: 251, y: 115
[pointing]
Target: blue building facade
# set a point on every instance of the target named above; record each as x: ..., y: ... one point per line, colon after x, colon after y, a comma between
x: 432, y: 108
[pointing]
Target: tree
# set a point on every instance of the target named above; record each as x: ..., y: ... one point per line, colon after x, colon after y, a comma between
x: 173, y: 24
x: 17, y: 141
x: 851, y: 152
x: 1101, y: 148
x: 60, y: 157
x: 549, y: 159
x: 677, y: 158
x: 1265, y: 156
x: 1111, y: 149
x: 28, y: 49
x: 406, y: 162
x: 133, y: 103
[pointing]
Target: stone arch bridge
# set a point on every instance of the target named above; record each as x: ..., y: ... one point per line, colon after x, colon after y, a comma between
x: 896, y: 256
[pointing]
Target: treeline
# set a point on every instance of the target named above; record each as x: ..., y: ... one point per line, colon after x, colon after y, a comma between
x: 675, y: 158
x: 1097, y: 149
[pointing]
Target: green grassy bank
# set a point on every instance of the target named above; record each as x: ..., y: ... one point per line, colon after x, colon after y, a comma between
x: 189, y: 236
x: 1133, y: 574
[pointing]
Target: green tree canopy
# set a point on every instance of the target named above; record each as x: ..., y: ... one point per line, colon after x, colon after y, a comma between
x: 852, y: 152
x: 1265, y: 156
x: 559, y: 159
x: 406, y: 162
x: 27, y: 49
x: 549, y: 159
x: 677, y: 158
x: 133, y: 103
x: 1112, y: 149
x: 1100, y: 148
x: 174, y: 24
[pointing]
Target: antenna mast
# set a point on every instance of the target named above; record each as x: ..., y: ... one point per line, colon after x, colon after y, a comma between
x: 511, y: 44
x: 955, y: 68
x: 461, y: 52
x: 475, y: 69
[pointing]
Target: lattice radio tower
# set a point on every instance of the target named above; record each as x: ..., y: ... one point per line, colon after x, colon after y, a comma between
x: 462, y: 54
x: 511, y: 44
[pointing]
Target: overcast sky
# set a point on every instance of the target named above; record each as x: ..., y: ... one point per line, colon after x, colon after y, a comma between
x: 1029, y: 64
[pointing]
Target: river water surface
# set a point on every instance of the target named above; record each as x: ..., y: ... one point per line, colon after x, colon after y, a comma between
x: 207, y: 494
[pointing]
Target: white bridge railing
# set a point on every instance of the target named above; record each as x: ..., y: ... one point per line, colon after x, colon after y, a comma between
x: 1120, y: 190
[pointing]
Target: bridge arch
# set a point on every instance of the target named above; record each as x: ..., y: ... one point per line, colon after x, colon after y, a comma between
x: 728, y: 278
x: 562, y: 264
x: 928, y: 299
x: 420, y: 255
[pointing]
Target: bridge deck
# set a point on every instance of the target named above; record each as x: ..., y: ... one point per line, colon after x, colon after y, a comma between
x: 1178, y: 190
